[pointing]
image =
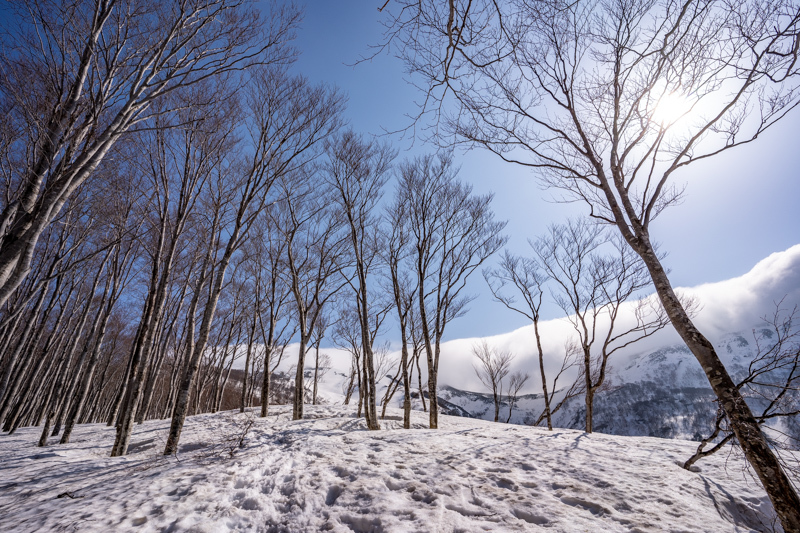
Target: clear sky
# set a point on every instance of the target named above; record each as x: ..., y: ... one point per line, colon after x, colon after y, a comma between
x: 739, y: 208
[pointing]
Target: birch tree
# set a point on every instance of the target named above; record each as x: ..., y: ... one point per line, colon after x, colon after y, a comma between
x: 315, y: 253
x: 592, y: 286
x: 177, y: 163
x: 525, y: 277
x: 403, y: 290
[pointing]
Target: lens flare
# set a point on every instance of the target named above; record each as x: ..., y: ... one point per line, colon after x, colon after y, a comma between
x: 670, y: 108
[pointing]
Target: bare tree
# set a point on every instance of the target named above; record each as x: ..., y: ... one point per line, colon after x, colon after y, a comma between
x: 515, y: 383
x: 119, y: 277
x: 527, y: 278
x: 287, y: 120
x: 591, y: 288
x: 403, y: 289
x: 81, y: 74
x: 177, y: 163
x: 315, y: 257
x: 272, y: 302
x: 451, y: 233
x: 571, y: 361
x: 493, y: 368
x: 348, y: 335
x: 357, y: 170
x: 580, y: 91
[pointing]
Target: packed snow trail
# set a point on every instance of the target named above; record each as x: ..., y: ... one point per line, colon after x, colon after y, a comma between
x: 327, y: 473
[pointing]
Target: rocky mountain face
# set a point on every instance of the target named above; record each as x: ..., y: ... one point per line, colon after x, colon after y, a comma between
x: 659, y: 393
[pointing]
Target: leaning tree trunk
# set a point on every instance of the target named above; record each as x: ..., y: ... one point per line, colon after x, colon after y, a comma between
x: 350, y: 384
x: 86, y: 377
x: 394, y: 384
x: 216, y: 278
x: 151, y: 317
x: 27, y: 343
x: 33, y: 317
x: 26, y: 376
x: 751, y: 439
x: 116, y: 404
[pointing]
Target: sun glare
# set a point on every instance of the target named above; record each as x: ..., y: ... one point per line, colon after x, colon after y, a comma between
x: 670, y: 108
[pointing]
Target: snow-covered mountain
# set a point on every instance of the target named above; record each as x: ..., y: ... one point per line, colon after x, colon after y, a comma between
x: 659, y: 393
x: 657, y: 386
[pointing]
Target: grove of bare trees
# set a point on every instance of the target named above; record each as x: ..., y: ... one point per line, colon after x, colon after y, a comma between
x: 182, y: 212
x: 179, y: 206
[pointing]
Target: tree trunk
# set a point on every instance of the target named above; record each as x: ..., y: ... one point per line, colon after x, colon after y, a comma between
x: 419, y: 384
x: 316, y: 374
x: 434, y: 412
x: 299, y: 382
x: 182, y: 402
x: 350, y: 386
x: 391, y: 389
x: 27, y: 343
x: 406, y: 384
x: 496, y: 403
x: 120, y: 396
x: 12, y: 359
x: 751, y: 439
x: 547, y: 412
x: 218, y: 407
x: 589, y: 397
x: 433, y: 416
x: 245, y: 401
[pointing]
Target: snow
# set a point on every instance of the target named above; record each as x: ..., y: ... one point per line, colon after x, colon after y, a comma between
x: 327, y: 473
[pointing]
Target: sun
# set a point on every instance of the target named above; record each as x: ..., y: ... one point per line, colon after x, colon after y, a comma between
x: 670, y: 108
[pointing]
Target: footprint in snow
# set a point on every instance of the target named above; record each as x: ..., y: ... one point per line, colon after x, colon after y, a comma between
x: 595, y: 509
x: 529, y: 517
x: 333, y: 494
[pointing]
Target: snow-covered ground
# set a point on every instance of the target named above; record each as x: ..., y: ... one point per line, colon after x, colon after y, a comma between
x: 327, y: 473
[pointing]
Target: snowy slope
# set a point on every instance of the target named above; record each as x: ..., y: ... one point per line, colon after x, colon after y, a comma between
x: 327, y: 473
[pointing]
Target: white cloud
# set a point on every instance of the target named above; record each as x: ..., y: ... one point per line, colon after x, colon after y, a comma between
x: 728, y: 306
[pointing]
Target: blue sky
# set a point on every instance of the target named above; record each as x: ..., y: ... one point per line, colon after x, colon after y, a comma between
x: 738, y: 209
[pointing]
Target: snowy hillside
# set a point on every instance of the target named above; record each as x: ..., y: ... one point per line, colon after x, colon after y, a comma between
x: 327, y: 473
x: 659, y: 393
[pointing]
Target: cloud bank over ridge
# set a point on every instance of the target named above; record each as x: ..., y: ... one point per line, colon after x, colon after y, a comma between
x: 733, y: 305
